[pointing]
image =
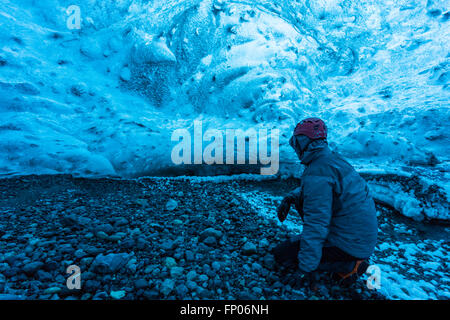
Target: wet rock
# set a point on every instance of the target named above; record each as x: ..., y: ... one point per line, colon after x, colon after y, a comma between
x: 264, y: 243
x: 210, y: 232
x: 249, y: 248
x: 31, y: 268
x: 80, y: 253
x: 181, y: 290
x: 189, y: 255
x: 176, y: 272
x: 148, y: 269
x: 6, y: 296
x: 142, y: 202
x: 167, y: 287
x: 120, y: 222
x: 170, y: 262
x: 203, y: 278
x: 245, y: 295
x: 257, y: 291
x: 256, y: 267
x: 168, y: 245
x: 66, y: 248
x: 171, y: 205
x: 106, y: 228
x: 102, y: 235
x: 127, y: 244
x: 69, y: 220
x: 118, y: 294
x: 216, y: 265
x: 44, y: 276
x: 86, y: 296
x: 52, y: 290
x: 210, y: 241
x: 141, y: 284
x: 269, y: 261
x: 191, y: 275
x: 191, y: 285
x: 117, y: 236
x: 110, y: 263
x: 141, y: 243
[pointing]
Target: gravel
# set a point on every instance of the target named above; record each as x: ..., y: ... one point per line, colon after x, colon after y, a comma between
x: 122, y: 235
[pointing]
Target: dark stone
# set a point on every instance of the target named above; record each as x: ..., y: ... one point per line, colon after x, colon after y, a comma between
x: 141, y: 284
x: 245, y: 295
x: 210, y: 241
x: 91, y: 285
x: 181, y: 290
x: 44, y: 276
x: 189, y: 255
x: 110, y: 263
x: 106, y: 228
x: 168, y: 245
x: 151, y: 294
x: 31, y: 268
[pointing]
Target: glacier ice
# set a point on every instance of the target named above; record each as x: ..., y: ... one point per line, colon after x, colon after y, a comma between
x: 104, y: 100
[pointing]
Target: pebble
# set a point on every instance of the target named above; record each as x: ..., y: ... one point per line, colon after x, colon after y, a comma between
x: 102, y: 235
x: 170, y: 262
x: 176, y: 272
x: 168, y: 245
x: 118, y: 294
x: 171, y: 205
x: 117, y: 236
x: 211, y: 232
x: 191, y: 275
x: 148, y: 269
x: 181, y: 290
x: 141, y: 283
x: 203, y: 278
x: 80, y: 253
x: 52, y: 290
x: 191, y: 285
x: 167, y: 287
x: 189, y: 255
x: 216, y: 265
x: 110, y: 263
x: 210, y: 241
x: 264, y: 243
x: 33, y: 267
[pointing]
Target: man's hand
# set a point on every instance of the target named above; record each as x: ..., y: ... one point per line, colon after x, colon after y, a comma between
x: 305, y: 280
x: 283, y: 208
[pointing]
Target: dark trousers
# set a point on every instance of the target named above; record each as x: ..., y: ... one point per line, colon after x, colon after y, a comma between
x: 333, y: 259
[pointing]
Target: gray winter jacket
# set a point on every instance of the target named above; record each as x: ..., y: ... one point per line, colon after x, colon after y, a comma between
x: 337, y: 207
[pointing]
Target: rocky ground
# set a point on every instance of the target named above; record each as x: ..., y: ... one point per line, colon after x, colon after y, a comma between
x: 166, y: 238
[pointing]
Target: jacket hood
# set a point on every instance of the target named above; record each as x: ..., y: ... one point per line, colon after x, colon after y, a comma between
x: 314, y: 150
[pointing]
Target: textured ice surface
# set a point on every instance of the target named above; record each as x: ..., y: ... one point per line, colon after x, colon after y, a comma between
x: 104, y: 100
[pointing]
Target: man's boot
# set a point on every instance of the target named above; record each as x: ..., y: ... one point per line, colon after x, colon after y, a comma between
x: 348, y: 279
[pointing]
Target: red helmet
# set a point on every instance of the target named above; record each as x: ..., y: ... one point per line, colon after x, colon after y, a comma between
x: 313, y: 128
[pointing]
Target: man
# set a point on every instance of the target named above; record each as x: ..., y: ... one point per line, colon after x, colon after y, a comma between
x: 340, y: 222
